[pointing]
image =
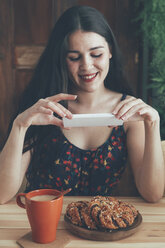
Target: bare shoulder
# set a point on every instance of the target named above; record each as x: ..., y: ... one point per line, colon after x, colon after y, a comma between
x: 113, y: 94
x: 116, y: 96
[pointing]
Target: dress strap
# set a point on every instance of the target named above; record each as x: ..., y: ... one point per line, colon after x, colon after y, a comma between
x: 123, y: 96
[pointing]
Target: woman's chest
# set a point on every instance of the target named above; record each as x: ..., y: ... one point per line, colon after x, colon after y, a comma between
x: 88, y: 138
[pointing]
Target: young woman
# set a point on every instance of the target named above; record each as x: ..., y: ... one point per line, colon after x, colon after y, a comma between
x: 80, y: 72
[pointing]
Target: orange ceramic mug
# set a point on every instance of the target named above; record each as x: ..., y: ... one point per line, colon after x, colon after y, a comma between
x: 43, y: 207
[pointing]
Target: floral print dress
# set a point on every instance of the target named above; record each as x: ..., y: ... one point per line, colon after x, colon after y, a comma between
x: 87, y: 172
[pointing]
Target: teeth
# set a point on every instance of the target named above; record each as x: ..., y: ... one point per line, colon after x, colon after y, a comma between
x: 88, y: 77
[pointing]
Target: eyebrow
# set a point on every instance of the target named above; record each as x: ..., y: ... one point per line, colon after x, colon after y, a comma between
x: 91, y: 49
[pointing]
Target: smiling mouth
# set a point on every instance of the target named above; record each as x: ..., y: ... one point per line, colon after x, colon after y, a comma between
x: 88, y: 76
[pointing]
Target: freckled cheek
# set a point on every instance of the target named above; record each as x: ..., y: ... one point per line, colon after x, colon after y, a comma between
x: 72, y: 68
x: 104, y: 59
x: 103, y: 64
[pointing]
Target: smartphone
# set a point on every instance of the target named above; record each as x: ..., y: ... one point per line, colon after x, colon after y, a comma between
x: 89, y: 120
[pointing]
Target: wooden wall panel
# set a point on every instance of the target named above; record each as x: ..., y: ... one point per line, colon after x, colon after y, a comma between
x: 22, y: 78
x: 27, y: 56
x: 32, y: 21
x: 59, y: 6
x: 6, y: 76
x: 127, y: 40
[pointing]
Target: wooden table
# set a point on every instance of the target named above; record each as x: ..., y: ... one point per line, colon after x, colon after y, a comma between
x: 14, y: 224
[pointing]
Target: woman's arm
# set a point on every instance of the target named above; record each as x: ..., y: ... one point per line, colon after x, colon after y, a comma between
x: 13, y: 164
x: 146, y: 158
x: 144, y: 146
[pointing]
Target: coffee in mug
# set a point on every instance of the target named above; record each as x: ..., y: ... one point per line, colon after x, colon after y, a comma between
x: 43, y: 198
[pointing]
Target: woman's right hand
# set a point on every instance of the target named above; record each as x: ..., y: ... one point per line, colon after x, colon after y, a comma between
x: 42, y: 112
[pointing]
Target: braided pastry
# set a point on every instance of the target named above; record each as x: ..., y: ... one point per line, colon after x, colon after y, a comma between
x: 102, y: 213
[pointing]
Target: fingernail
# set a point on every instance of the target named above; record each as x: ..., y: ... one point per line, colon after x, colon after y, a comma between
x: 69, y: 115
x: 63, y: 114
x: 67, y: 128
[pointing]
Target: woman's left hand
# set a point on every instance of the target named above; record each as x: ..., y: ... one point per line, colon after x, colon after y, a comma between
x: 134, y: 109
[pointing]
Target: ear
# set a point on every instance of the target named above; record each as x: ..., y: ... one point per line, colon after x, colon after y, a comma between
x: 110, y: 52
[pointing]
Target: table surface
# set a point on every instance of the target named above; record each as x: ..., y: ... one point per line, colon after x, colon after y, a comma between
x: 14, y: 224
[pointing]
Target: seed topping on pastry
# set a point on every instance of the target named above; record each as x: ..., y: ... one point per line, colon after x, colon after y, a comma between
x: 102, y: 213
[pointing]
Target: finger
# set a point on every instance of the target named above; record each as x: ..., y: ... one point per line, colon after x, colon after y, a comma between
x: 44, y: 110
x: 62, y: 96
x: 129, y: 106
x: 148, y: 113
x: 55, y: 108
x: 144, y: 110
x: 121, y: 103
x: 67, y: 128
x: 56, y: 121
x: 132, y: 111
x: 67, y: 113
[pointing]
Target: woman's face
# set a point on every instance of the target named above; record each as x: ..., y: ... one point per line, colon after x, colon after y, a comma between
x: 87, y: 60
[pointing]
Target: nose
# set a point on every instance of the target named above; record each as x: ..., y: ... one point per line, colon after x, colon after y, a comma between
x: 86, y: 63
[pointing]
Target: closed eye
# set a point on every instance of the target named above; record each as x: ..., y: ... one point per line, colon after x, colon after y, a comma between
x: 96, y: 56
x: 92, y: 55
x: 74, y: 59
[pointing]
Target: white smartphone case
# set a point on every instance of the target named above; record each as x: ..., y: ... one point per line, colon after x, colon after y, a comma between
x: 88, y: 120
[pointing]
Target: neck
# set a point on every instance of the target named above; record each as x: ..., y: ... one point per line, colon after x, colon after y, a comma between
x: 90, y: 99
